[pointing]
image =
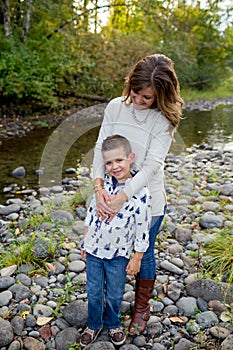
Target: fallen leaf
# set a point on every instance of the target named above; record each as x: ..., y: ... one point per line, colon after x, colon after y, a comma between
x: 225, y: 316
x: 177, y: 319
x: 161, y: 295
x: 68, y: 245
x: 165, y: 288
x: 24, y: 314
x: 17, y: 231
x: 50, y: 267
x: 41, y: 321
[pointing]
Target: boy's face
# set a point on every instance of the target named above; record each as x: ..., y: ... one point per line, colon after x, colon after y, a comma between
x: 117, y: 163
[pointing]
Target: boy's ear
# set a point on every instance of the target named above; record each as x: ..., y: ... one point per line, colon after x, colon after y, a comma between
x: 131, y: 157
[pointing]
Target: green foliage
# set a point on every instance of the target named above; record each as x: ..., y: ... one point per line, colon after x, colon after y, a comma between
x: 24, y: 76
x: 74, y: 346
x: 67, y: 292
x: 220, y: 251
x: 62, y: 56
x: 80, y: 197
x: 21, y: 252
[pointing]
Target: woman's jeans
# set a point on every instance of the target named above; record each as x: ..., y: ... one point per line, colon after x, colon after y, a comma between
x: 105, y: 287
x: 148, y: 264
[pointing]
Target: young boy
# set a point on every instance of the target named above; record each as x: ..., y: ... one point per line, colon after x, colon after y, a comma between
x: 108, y: 245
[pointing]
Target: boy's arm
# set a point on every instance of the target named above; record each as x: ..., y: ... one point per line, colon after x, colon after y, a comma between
x: 86, y: 224
x: 142, y: 216
x: 83, y: 251
x: 142, y: 224
x: 134, y: 264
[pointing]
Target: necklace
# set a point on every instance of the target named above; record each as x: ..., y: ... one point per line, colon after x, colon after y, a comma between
x: 137, y: 120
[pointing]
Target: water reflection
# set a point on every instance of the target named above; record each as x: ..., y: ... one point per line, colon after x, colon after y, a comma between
x: 214, y: 128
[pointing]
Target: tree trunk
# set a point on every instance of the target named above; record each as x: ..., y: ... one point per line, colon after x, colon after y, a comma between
x: 26, y: 19
x: 6, y: 17
x: 85, y: 15
x: 96, y: 17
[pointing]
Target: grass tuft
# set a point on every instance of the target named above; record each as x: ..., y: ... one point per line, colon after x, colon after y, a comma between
x: 220, y: 251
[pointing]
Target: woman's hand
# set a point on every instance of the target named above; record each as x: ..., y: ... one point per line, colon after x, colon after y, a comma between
x: 102, y: 204
x: 117, y: 201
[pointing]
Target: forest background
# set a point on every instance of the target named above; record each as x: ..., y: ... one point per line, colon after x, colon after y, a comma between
x: 53, y: 52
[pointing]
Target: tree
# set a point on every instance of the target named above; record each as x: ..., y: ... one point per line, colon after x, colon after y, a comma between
x: 6, y: 17
x: 27, y: 19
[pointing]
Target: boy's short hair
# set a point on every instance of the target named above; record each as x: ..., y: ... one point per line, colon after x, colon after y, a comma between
x: 115, y: 141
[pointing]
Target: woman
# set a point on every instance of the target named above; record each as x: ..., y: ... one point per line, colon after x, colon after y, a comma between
x: 147, y: 114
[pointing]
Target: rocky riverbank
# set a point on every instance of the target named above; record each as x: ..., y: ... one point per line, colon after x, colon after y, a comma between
x: 19, y: 126
x: 43, y: 301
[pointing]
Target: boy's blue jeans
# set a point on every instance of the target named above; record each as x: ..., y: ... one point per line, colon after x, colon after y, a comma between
x: 148, y: 263
x: 105, y: 287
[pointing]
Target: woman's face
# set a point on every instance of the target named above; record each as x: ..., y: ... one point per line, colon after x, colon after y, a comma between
x: 143, y: 99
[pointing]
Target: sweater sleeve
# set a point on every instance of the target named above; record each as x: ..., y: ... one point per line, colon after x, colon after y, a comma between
x: 142, y: 220
x: 154, y: 161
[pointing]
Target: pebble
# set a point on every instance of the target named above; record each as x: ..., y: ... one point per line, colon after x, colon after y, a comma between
x: 49, y: 311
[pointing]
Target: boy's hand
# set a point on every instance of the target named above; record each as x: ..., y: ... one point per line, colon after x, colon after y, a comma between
x: 83, y: 254
x: 134, y: 264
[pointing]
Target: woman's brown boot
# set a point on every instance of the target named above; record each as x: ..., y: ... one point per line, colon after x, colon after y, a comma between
x: 141, y: 313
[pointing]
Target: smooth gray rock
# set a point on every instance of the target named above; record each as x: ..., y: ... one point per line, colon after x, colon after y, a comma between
x: 184, y: 344
x: 20, y: 292
x: 8, y: 209
x: 187, y: 306
x: 77, y: 266
x: 66, y: 337
x: 166, y: 265
x: 42, y: 310
x: 19, y: 172
x: 17, y: 324
x: 210, y: 220
x: 207, y: 319
x: 6, y: 334
x: 62, y: 216
x: 227, y: 344
x: 24, y: 279
x: 5, y: 298
x: 183, y: 235
x: 31, y: 343
x: 210, y: 290
x: 6, y: 282
x: 219, y: 332
x: 76, y: 313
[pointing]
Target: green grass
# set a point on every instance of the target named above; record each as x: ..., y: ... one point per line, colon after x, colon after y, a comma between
x: 22, y: 252
x: 220, y: 91
x: 220, y: 251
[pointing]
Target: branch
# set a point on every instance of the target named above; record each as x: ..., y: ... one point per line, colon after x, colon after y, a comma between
x: 68, y: 21
x: 86, y: 96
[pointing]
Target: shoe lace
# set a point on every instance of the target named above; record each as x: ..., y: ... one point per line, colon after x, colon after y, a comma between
x: 115, y: 330
x: 89, y: 331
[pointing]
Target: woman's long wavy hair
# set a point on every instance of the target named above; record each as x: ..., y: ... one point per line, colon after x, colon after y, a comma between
x: 157, y: 71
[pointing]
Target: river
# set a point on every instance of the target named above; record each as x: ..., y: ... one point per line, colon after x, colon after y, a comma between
x: 214, y: 128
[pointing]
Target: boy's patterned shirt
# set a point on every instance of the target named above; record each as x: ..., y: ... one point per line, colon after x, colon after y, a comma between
x: 128, y: 231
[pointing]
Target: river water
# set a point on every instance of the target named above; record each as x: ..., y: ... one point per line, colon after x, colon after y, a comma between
x: 214, y: 128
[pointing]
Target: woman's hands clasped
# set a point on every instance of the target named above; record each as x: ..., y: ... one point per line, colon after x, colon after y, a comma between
x: 108, y: 206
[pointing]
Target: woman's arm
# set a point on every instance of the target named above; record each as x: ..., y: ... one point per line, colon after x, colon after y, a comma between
x: 102, y: 197
x: 105, y: 130
x: 153, y: 162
